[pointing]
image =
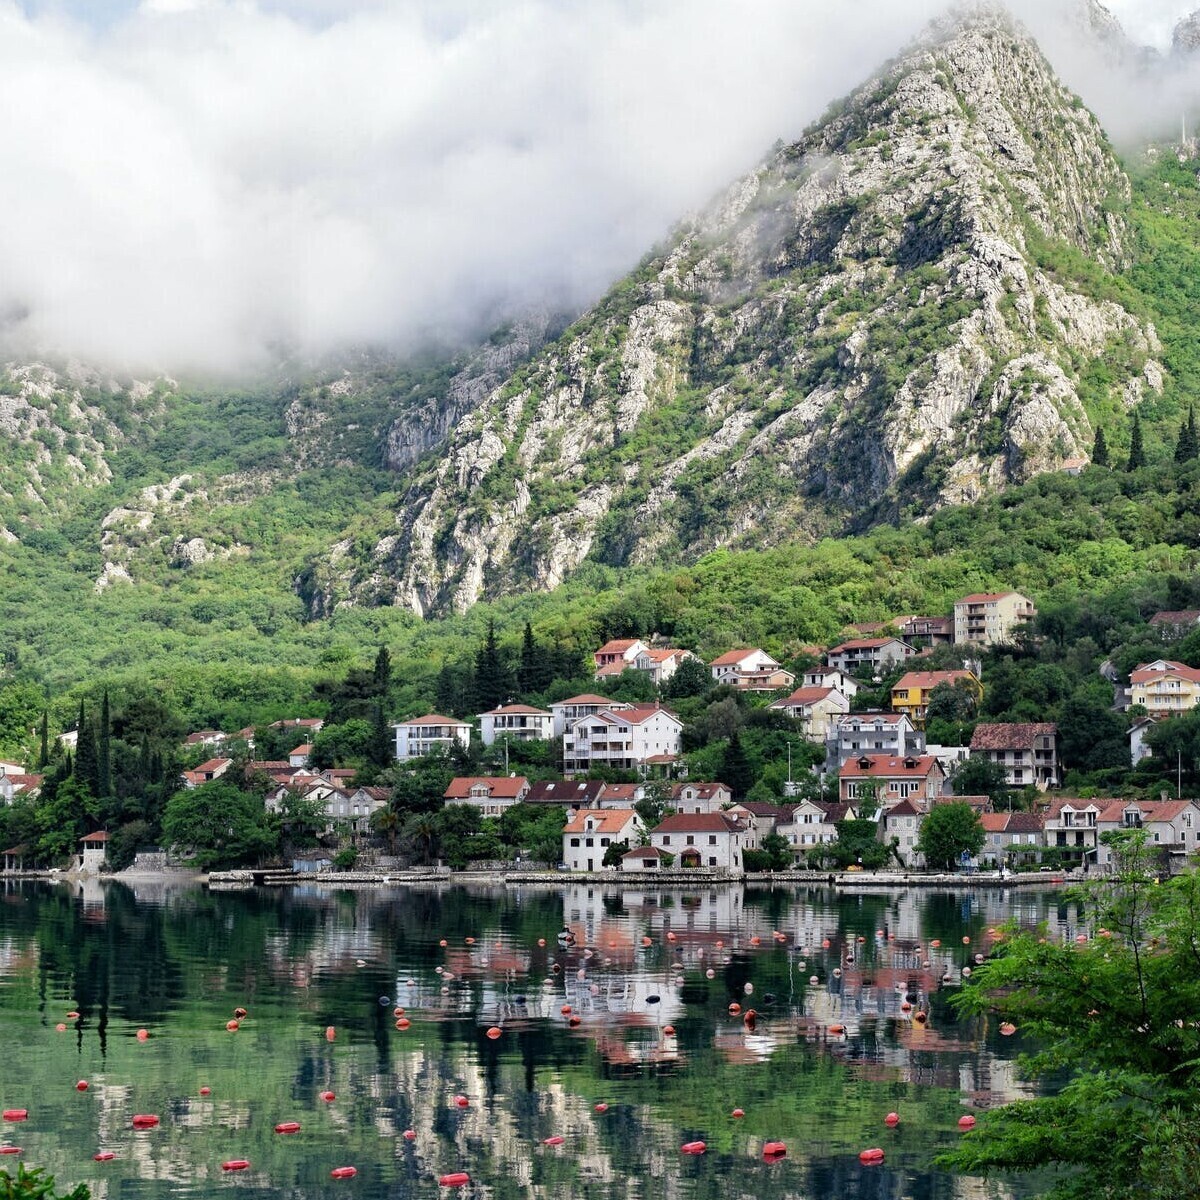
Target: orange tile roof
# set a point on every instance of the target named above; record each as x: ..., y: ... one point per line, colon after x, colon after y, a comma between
x: 604, y: 820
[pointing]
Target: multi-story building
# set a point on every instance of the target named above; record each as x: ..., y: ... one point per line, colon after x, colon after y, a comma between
x: 661, y: 663
x: 624, y: 739
x: 696, y: 797
x: 714, y: 840
x: 912, y: 691
x: 1027, y: 751
x: 567, y: 712
x: 1172, y: 827
x: 816, y: 708
x: 831, y: 677
x: 517, y: 723
x: 857, y: 734
x: 750, y: 671
x: 422, y: 735
x: 1165, y: 688
x: 490, y: 794
x: 811, y: 824
x: 1007, y: 834
x: 901, y: 826
x: 991, y: 618
x: 590, y: 832
x: 616, y: 656
x: 869, y: 655
x: 926, y: 631
x: 919, y: 778
x: 1070, y: 827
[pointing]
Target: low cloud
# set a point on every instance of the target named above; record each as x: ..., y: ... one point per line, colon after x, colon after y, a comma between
x: 198, y: 184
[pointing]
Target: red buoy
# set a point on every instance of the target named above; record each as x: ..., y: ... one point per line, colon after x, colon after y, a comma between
x: 462, y: 1101
x: 892, y: 1120
x: 403, y: 1023
x: 574, y: 1021
x: 556, y: 1140
x: 454, y: 1179
x: 410, y: 1135
x: 232, y: 1026
x: 10, y: 1149
x: 60, y: 1028
x: 871, y: 1158
x: 82, y: 1086
x: 206, y: 1091
x: 329, y: 1097
x: 144, y: 1121
x: 330, y: 1033
x: 16, y: 1114
x: 104, y: 1156
x: 494, y: 1032
x: 72, y: 1016
x: 343, y: 1173
x: 967, y: 1122
x: 240, y: 1013
x: 774, y: 1149
x: 143, y: 1035
x: 693, y: 1148
x: 288, y: 1127
x: 737, y: 1112
x: 602, y: 1107
x: 235, y: 1164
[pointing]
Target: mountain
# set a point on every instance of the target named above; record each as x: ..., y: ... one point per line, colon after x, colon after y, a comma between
x: 914, y: 304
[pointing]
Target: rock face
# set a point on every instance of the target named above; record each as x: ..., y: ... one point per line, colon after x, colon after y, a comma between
x: 895, y: 312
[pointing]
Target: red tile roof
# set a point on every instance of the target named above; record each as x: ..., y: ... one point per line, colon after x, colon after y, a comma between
x: 1185, y: 616
x: 432, y: 719
x: 618, y: 646
x: 516, y: 710
x: 1011, y: 736
x: 566, y: 791
x: 803, y: 696
x: 500, y: 787
x: 888, y: 766
x: 586, y: 698
x: 604, y: 820
x: 1145, y: 674
x: 864, y: 644
x: 927, y: 680
x: 699, y: 823
x: 984, y: 597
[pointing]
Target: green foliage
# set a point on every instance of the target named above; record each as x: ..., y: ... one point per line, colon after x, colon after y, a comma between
x: 857, y: 844
x: 947, y: 832
x: 218, y: 825
x: 980, y: 776
x: 34, y: 1184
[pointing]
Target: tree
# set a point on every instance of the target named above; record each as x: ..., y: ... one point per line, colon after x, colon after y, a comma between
x: 104, y: 777
x: 980, y: 776
x: 691, y: 678
x: 219, y: 825
x: 493, y: 684
x: 1099, y: 448
x: 777, y: 852
x: 736, y: 770
x: 858, y: 844
x: 535, y: 672
x: 1115, y: 1013
x: 1185, y: 447
x: 381, y: 674
x: 1137, y: 452
x: 614, y: 852
x: 44, y: 742
x: 947, y: 832
x: 87, y: 755
x: 382, y: 749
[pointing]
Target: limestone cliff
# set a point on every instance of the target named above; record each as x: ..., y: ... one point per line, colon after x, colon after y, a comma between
x: 896, y: 311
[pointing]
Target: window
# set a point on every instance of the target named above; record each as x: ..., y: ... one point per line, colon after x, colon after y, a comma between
x: 712, y: 839
x: 589, y: 841
x: 575, y: 842
x: 691, y: 841
x: 666, y: 839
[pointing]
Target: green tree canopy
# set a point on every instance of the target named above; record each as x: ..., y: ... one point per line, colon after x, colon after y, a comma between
x: 219, y: 825
x: 948, y: 831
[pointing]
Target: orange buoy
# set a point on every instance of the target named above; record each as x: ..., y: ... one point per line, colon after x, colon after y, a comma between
x: 693, y: 1148
x: 343, y: 1173
x: 288, y: 1127
x: 82, y: 1086
x: 935, y: 943
x: 774, y: 1149
x: 462, y: 1102
x: 144, y: 1121
x: 10, y: 1149
x: 143, y: 1035
x: 734, y: 1009
x: 442, y: 942
x: 872, y: 1157
x: 1081, y: 938
x: 330, y: 1033
x: 837, y: 1030
x: 813, y: 981
x: 756, y: 940
x: 232, y: 1026
x: 60, y: 1028
x: 565, y: 1010
x: 574, y: 1022
x: 905, y: 1006
x: 469, y: 941
x: 206, y: 1091
x: 1007, y: 1029
x: 647, y: 941
x: 240, y: 1013
x: 541, y: 941
x: 410, y: 1135
x: 397, y: 1011
x: 556, y: 1140
x: 403, y: 1023
x: 454, y: 1179
x: 668, y: 1031
x: 920, y: 1017
x: 670, y: 936
x: 967, y: 1122
x: 329, y: 1097
x: 966, y: 941
x: 892, y: 1120
x: 602, y: 1107
x: 72, y: 1015
x: 738, y: 1113
x: 103, y: 1156
x: 235, y: 1164
x: 494, y: 1032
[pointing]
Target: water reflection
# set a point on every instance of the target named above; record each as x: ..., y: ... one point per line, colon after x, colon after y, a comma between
x: 852, y: 1018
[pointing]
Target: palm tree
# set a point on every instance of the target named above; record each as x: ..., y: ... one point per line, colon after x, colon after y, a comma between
x: 422, y: 835
x: 386, y: 821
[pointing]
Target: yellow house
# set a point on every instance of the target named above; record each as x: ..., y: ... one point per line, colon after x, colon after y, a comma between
x: 911, y: 693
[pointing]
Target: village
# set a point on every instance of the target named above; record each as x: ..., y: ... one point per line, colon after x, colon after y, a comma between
x: 627, y: 805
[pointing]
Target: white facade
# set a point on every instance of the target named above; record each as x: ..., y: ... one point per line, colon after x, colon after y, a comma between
x: 590, y: 832
x: 857, y: 734
x: 516, y: 722
x: 701, y: 797
x: 622, y: 739
x: 831, y: 677
x: 707, y: 840
x: 810, y: 826
x: 567, y: 712
x: 417, y: 738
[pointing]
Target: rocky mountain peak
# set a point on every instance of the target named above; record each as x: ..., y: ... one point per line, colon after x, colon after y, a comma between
x: 891, y: 313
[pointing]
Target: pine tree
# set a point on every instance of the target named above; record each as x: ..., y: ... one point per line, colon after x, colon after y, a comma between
x: 44, y: 751
x: 492, y: 683
x: 1186, y: 448
x: 104, y: 750
x: 736, y: 770
x: 1099, y: 449
x: 382, y: 673
x: 534, y: 674
x: 87, y: 755
x: 1137, y: 452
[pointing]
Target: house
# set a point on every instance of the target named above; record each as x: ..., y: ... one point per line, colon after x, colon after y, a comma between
x: 622, y: 739
x: 1139, y: 747
x: 421, y: 735
x: 890, y: 779
x: 1008, y: 834
x: 831, y: 677
x: 18, y: 784
x: 590, y: 832
x: 300, y: 756
x: 911, y: 693
x: 571, y: 794
x: 857, y: 734
x: 205, y: 737
x: 616, y: 656
x: 713, y: 840
x: 1074, y: 465
x: 95, y: 850
x: 811, y: 824
x: 567, y: 712
x: 1027, y: 751
x: 516, y: 723
x: 490, y: 794
x: 1165, y: 688
x: 926, y: 631
x: 700, y: 797
x: 661, y: 664
x: 206, y: 772
x: 360, y: 805
x: 869, y: 656
x: 1070, y: 827
x: 1173, y: 625
x: 642, y: 858
x: 763, y: 816
x: 1171, y: 827
x: 750, y: 671
x: 990, y: 618
x: 900, y: 826
x: 307, y: 725
x: 621, y: 795
x: 816, y: 708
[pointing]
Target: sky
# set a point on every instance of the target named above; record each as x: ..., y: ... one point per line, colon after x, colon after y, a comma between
x: 193, y: 185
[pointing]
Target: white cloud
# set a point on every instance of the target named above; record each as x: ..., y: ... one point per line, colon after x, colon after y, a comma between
x: 189, y: 182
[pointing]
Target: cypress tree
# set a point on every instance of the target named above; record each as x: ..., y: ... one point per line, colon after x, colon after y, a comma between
x: 1137, y: 452
x: 382, y: 673
x: 1099, y: 449
x: 87, y: 754
x: 382, y: 750
x: 535, y: 672
x: 104, y: 750
x: 492, y: 684
x: 1185, y: 448
x: 44, y: 752
x: 736, y: 770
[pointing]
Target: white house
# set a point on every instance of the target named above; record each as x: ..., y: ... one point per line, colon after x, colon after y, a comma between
x: 590, y: 832
x: 1070, y: 827
x: 517, y: 723
x: 491, y: 794
x: 712, y: 840
x: 567, y: 712
x: 872, y: 655
x: 903, y: 822
x: 661, y: 664
x: 812, y: 824
x: 642, y: 858
x: 750, y: 671
x: 421, y: 735
x: 831, y: 677
x: 1171, y: 826
x: 1139, y: 747
x: 816, y: 708
x: 700, y: 797
x: 300, y: 756
x: 617, y: 656
x: 623, y: 739
x: 856, y: 734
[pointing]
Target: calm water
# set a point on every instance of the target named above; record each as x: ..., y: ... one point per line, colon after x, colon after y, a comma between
x: 178, y: 962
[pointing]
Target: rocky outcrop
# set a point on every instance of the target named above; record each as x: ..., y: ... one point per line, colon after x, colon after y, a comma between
x: 891, y: 314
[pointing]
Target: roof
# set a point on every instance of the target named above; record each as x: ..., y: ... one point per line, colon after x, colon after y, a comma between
x: 906, y: 808
x: 499, y: 787
x: 28, y: 782
x: 1184, y: 616
x: 643, y: 852
x: 731, y: 658
x: 304, y: 748
x: 565, y: 791
x: 704, y: 791
x: 977, y: 802
x: 635, y: 714
x: 1145, y: 672
x: 926, y: 680
x: 619, y: 646
x: 382, y: 794
x: 875, y: 718
x: 1072, y: 802
x: 888, y: 766
x: 603, y: 820
x: 203, y: 735
x: 984, y: 597
x: 1023, y: 822
x: 994, y: 822
x: 101, y: 836
x: 586, y: 698
x: 761, y: 808
x: 940, y: 622
x: 213, y: 764
x: 864, y: 644
x: 805, y: 695
x: 621, y: 791
x: 432, y: 719
x: 1010, y: 736
x: 699, y: 823
x: 1113, y: 813
x: 515, y: 710
x: 662, y: 655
